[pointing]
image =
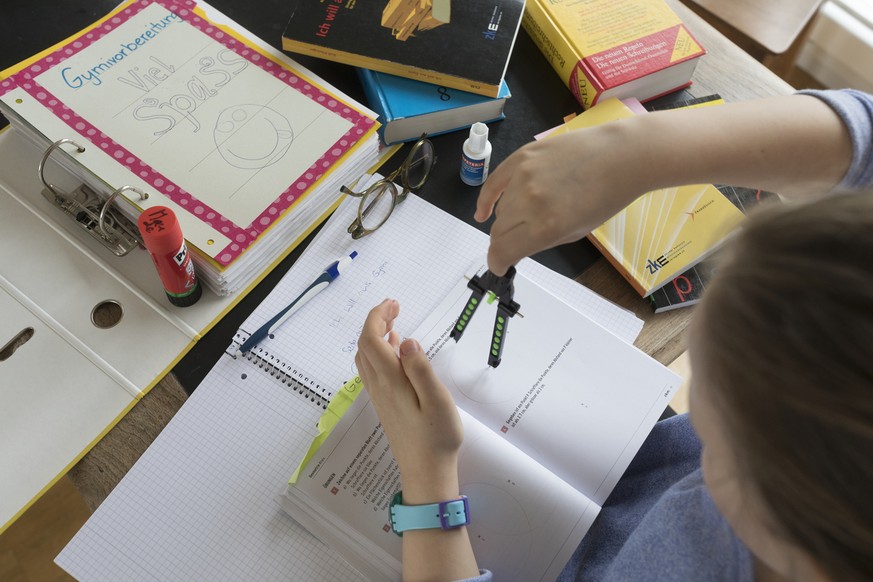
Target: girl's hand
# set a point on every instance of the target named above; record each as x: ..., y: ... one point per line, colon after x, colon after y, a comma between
x: 417, y: 412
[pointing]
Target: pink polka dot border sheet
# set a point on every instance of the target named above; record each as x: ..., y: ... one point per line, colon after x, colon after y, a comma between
x: 227, y: 133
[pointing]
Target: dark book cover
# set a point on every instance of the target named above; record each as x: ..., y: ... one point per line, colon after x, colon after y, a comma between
x: 747, y: 199
x: 680, y: 103
x: 466, y: 41
x: 687, y: 289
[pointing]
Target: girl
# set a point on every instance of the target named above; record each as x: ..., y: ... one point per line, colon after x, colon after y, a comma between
x: 776, y: 482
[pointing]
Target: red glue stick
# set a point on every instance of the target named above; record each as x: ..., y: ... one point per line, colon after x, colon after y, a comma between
x: 163, y: 239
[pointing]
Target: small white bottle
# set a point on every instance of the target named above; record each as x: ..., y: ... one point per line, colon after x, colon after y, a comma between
x: 476, y: 156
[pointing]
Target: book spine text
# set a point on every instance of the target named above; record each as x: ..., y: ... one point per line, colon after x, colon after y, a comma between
x: 559, y: 51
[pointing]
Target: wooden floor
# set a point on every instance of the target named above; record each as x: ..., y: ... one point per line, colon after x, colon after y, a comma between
x: 28, y: 547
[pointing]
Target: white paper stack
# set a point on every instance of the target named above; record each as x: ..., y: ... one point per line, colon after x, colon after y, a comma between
x: 248, y: 148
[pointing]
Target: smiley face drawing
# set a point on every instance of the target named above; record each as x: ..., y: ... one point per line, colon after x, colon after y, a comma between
x: 252, y: 137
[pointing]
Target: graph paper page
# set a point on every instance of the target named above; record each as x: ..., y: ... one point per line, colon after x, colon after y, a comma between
x: 417, y: 257
x: 199, y: 503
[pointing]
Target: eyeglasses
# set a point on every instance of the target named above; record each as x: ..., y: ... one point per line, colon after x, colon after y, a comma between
x: 378, y: 201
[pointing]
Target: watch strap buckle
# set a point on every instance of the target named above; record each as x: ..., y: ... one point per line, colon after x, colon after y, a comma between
x: 454, y: 513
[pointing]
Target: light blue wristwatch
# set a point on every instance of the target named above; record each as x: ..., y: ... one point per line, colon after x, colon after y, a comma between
x: 444, y: 515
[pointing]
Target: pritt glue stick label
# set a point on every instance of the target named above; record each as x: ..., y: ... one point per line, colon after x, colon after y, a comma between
x: 163, y: 239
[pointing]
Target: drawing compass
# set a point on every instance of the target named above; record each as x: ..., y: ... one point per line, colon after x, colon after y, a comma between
x: 500, y: 288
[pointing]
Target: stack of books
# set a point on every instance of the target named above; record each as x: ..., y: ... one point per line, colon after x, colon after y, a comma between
x: 426, y: 67
x: 175, y: 105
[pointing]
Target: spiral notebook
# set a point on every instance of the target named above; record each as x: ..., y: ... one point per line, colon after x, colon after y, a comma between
x: 199, y: 504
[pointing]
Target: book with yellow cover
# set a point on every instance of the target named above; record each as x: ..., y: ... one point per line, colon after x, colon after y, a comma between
x: 613, y: 48
x: 664, y: 232
x: 687, y: 288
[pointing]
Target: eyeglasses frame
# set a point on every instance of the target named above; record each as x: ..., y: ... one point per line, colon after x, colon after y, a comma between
x: 356, y: 228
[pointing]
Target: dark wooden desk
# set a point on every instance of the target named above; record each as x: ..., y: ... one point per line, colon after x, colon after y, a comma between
x: 539, y: 101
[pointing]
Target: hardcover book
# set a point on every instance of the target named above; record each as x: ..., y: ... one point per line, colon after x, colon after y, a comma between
x: 461, y: 45
x: 687, y: 289
x: 408, y: 108
x: 665, y: 232
x: 614, y: 48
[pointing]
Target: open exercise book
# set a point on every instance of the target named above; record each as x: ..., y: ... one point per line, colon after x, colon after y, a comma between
x: 200, y: 503
x: 547, y: 434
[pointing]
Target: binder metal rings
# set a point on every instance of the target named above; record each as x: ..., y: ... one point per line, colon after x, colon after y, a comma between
x: 101, y: 221
x: 98, y: 218
x: 45, y: 157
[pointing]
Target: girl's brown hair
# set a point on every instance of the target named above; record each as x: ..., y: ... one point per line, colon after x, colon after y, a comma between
x: 788, y: 328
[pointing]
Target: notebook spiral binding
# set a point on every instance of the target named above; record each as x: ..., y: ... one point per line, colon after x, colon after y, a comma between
x: 290, y: 377
x: 97, y: 217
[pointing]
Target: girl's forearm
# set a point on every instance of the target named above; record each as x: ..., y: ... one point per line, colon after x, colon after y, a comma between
x: 795, y: 145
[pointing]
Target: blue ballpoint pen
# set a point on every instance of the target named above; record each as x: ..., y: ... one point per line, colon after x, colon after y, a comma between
x: 326, y: 278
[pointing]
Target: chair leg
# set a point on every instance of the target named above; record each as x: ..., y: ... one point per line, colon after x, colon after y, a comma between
x: 784, y: 64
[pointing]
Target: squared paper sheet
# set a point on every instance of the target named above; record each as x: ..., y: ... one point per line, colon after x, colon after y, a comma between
x: 416, y: 258
x: 199, y: 503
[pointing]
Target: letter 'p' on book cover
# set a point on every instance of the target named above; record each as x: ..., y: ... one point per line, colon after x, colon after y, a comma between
x: 463, y: 45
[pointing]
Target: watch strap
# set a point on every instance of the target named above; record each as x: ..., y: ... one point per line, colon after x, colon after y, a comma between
x: 444, y: 515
